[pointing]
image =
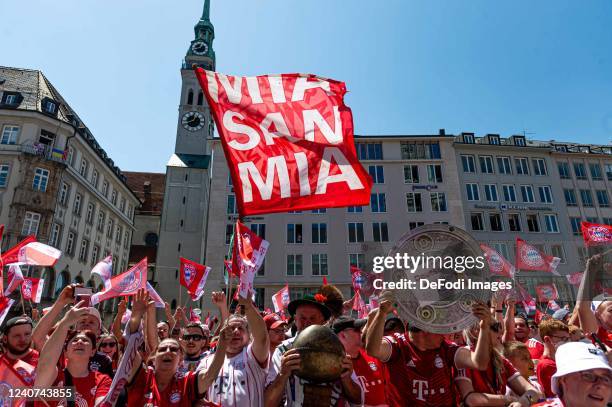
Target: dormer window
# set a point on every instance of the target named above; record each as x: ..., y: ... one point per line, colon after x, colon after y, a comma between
x: 468, y: 138
x: 519, y: 141
x: 494, y: 139
x: 49, y: 106
x: 11, y: 99
x: 561, y: 148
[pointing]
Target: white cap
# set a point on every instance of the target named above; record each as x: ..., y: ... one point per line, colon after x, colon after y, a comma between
x: 575, y: 357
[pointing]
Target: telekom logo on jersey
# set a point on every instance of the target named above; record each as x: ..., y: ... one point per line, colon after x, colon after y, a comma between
x: 420, y: 388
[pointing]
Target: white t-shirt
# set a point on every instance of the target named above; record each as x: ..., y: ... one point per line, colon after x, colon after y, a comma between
x: 240, y: 382
x: 294, y: 390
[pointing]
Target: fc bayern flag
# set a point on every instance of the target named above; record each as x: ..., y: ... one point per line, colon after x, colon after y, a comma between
x: 281, y: 299
x: 288, y: 141
x: 595, y: 234
x: 124, y: 284
x: 575, y: 279
x: 12, y: 255
x: 15, y: 277
x: 5, y: 305
x: 498, y: 265
x: 529, y: 257
x: 11, y: 380
x: 32, y: 288
x: 157, y: 299
x: 546, y: 292
x: 104, y: 269
x: 248, y: 256
x: 38, y: 254
x: 363, y: 281
x: 193, y: 277
x: 552, y: 304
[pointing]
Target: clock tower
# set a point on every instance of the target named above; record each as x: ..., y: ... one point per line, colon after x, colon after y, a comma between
x: 186, y: 197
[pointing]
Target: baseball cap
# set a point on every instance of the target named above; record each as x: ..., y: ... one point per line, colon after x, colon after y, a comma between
x: 96, y: 314
x: 16, y: 321
x: 576, y: 357
x: 273, y: 321
x: 343, y: 322
x: 560, y: 314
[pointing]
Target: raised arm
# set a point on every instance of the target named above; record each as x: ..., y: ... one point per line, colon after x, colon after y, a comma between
x: 169, y: 318
x: 375, y: 345
x: 588, y: 322
x: 39, y: 334
x: 208, y: 376
x: 261, y: 340
x: 116, y: 327
x: 509, y: 320
x: 219, y: 300
x: 151, y: 326
x: 479, y: 358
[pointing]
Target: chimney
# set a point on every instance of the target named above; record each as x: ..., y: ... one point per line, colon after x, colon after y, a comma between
x: 442, y: 132
x: 147, y: 191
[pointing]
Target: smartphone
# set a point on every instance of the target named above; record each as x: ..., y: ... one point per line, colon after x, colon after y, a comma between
x: 83, y: 294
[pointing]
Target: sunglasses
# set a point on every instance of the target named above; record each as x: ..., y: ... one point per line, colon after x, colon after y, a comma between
x: 108, y: 345
x: 168, y: 348
x: 194, y: 337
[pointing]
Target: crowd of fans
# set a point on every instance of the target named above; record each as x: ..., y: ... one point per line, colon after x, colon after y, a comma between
x: 246, y: 357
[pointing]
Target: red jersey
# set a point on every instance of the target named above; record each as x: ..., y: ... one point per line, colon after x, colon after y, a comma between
x: 86, y: 389
x: 31, y: 358
x: 181, y: 392
x: 545, y: 370
x: 535, y: 347
x: 420, y: 378
x: 485, y: 381
x: 605, y: 336
x: 370, y: 373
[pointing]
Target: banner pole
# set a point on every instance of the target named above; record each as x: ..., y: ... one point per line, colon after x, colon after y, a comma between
x: 22, y: 302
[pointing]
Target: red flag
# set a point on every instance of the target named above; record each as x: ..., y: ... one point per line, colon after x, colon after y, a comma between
x: 575, y: 279
x: 104, y: 269
x: 194, y: 316
x: 546, y: 292
x: 530, y: 306
x: 498, y: 265
x: 157, y: 299
x: 230, y: 271
x: 38, y: 254
x: 193, y: 277
x: 5, y: 305
x: 12, y: 254
x: 15, y: 277
x: 281, y: 299
x: 288, y: 141
x: 124, y: 284
x: 363, y: 281
x: 596, y: 234
x: 552, y: 304
x: 32, y: 288
x: 12, y: 379
x: 325, y: 280
x: 538, y: 316
x: 530, y: 258
x: 357, y: 301
x: 249, y: 252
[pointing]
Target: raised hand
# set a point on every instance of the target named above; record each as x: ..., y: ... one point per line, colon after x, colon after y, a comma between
x: 76, y: 312
x: 386, y: 306
x: 219, y: 299
x: 481, y: 311
x: 290, y: 362
x: 122, y: 306
x: 67, y: 295
x: 139, y: 304
x: 347, y: 366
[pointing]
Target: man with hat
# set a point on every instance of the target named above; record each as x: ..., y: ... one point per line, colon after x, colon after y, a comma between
x: 17, y: 344
x: 277, y: 329
x: 369, y: 370
x: 583, y: 377
x: 282, y: 386
x: 562, y: 314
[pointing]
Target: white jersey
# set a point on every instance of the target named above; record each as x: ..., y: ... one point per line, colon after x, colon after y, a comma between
x: 294, y: 390
x: 240, y: 382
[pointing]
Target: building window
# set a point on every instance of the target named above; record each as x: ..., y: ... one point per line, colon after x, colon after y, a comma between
x: 77, y: 204
x: 4, y: 174
x: 319, y: 233
x: 294, y: 265
x: 468, y: 163
x: 114, y: 197
x: 105, y: 189
x: 570, y: 197
x: 545, y: 194
x: 83, y: 250
x: 500, y: 248
x: 11, y: 99
x: 522, y: 166
x: 539, y: 166
x: 552, y: 226
x: 434, y: 173
x: 83, y: 169
x: 472, y: 192
x: 70, y: 243
x: 607, y: 221
x: 122, y: 205
x: 190, y: 97
x: 495, y: 221
x: 319, y: 211
x: 355, y: 232
x: 369, y: 151
x: 31, y: 221
x: 378, y: 202
x: 109, y: 228
x: 595, y: 171
x: 504, y: 166
x: 414, y: 225
x: 354, y: 209
x: 200, y: 98
x: 129, y: 211
x: 100, y: 221
x: 46, y: 137
x: 486, y: 164
x: 468, y: 138
x: 494, y: 140
x: 575, y: 224
x: 579, y: 171
x: 377, y: 173
x: 527, y: 193
x: 602, y: 198
x: 519, y: 141
x: 608, y: 168
x: 229, y: 231
x: 118, y: 233
x: 438, y: 202
x: 509, y: 193
x: 357, y: 260
x: 90, y: 213
x: 532, y: 223
x: 420, y: 151
x: 413, y: 202
x: 586, y: 197
x: 592, y: 219
x: 319, y: 264
x: 477, y: 222
x: 94, y: 255
x: 54, y: 239
x: 491, y: 192
x: 564, y: 171
x: 64, y: 194
x: 259, y: 229
x: 94, y: 178
x: 41, y: 179
x: 126, y: 240
x: 380, y: 232
x: 514, y: 222
x: 294, y: 233
x: 411, y: 174
x: 9, y: 134
x: 49, y: 106
x: 557, y: 251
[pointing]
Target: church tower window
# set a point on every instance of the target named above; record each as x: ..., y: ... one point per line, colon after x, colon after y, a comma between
x: 200, y: 99
x: 190, y: 97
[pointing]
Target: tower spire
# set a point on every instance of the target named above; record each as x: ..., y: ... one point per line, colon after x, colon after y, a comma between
x: 206, y: 11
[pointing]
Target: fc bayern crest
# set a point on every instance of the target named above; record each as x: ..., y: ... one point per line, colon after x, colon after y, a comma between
x: 600, y: 234
x: 130, y: 283
x: 27, y: 288
x: 496, y: 264
x: 189, y: 273
x: 175, y: 397
x: 532, y: 257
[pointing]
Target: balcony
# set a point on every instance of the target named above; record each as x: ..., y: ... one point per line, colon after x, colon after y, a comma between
x: 46, y: 152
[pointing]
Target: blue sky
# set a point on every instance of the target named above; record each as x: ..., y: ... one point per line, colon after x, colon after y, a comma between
x: 411, y: 67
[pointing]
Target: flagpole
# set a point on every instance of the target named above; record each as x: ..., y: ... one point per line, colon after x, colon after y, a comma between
x: 22, y: 302
x: 228, y: 283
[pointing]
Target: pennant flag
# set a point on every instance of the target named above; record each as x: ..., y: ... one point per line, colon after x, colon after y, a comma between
x: 15, y: 277
x: 159, y: 303
x: 325, y: 280
x: 363, y: 281
x: 595, y: 234
x: 207, y: 320
x: 249, y: 253
x: 575, y: 279
x: 5, y: 305
x: 12, y: 255
x: 194, y: 316
x: 38, y: 254
x: 124, y: 284
x: 32, y: 288
x: 522, y: 294
x: 104, y: 270
x: 552, y: 304
x: 360, y: 306
x: 356, y: 301
x: 498, y: 265
x: 193, y: 277
x: 530, y: 258
x: 281, y: 299
x: 288, y: 141
x: 546, y: 292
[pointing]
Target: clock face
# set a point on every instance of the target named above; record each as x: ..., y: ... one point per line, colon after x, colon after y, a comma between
x: 193, y: 121
x: 199, y: 48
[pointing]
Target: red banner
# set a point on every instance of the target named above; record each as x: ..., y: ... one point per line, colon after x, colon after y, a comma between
x: 288, y: 141
x: 12, y: 254
x: 498, y: 265
x: 575, y: 279
x: 363, y: 281
x: 193, y: 277
x: 595, y: 234
x: 281, y: 299
x: 124, y: 284
x: 529, y: 257
x: 546, y: 292
x: 31, y: 289
x: 248, y: 256
x: 14, y: 279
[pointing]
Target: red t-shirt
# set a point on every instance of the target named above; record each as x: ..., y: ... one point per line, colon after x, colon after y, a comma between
x: 86, y: 389
x: 370, y: 373
x: 535, y: 347
x: 420, y: 378
x: 545, y: 370
x: 31, y: 358
x: 179, y: 393
x: 605, y: 336
x: 484, y: 381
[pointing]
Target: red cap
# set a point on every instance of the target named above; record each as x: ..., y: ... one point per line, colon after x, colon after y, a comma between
x: 273, y: 321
